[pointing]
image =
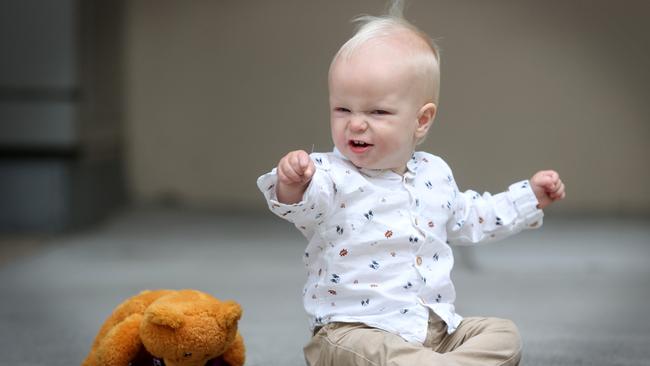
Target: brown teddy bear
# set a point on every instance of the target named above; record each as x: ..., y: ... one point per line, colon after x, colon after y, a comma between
x: 172, y: 328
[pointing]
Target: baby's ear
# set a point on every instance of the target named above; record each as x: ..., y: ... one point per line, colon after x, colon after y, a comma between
x: 426, y: 115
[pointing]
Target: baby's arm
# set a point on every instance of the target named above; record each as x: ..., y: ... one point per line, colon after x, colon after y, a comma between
x: 300, y: 191
x: 480, y: 218
x: 548, y: 187
x: 295, y: 171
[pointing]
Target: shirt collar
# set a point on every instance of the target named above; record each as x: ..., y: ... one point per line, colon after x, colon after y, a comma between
x: 412, y: 164
x: 411, y: 167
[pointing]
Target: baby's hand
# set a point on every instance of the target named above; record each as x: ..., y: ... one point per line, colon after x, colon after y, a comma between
x: 548, y: 187
x: 295, y: 171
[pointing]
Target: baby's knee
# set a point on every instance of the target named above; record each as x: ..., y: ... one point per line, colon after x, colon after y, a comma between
x: 508, y: 328
x: 510, y: 336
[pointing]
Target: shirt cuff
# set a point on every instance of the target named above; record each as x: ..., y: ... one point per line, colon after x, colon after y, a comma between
x: 267, y: 185
x: 308, y: 210
x: 525, y: 202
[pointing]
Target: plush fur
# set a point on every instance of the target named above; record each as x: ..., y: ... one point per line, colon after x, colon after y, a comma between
x: 173, y: 328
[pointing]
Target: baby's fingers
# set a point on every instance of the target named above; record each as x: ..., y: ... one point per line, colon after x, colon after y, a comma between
x: 287, y: 173
x: 303, y: 165
x: 546, y: 179
x: 296, y: 167
x: 304, y: 160
x: 309, y: 170
x: 301, y: 161
x: 559, y: 192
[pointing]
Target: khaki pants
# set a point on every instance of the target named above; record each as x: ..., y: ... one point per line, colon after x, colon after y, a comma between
x: 477, y: 341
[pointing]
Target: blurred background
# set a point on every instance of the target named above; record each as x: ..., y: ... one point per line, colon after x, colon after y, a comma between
x: 127, y: 124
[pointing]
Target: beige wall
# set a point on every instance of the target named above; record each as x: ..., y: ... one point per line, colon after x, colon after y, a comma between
x: 218, y: 91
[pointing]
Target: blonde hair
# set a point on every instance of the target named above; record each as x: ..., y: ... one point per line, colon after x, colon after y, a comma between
x: 425, y: 59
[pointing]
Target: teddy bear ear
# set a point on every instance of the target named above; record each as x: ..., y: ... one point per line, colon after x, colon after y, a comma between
x: 232, y: 312
x: 165, y: 316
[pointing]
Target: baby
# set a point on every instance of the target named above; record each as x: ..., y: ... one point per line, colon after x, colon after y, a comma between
x: 380, y: 217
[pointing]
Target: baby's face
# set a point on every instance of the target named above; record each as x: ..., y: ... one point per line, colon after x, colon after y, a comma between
x: 374, y: 108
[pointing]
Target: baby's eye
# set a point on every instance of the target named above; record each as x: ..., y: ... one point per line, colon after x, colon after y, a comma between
x: 380, y: 112
x: 341, y: 109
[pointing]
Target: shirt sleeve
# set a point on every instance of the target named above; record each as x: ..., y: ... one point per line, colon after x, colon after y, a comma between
x: 482, y: 218
x: 315, y: 204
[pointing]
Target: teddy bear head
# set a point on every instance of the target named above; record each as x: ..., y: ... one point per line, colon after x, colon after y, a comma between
x: 189, y: 328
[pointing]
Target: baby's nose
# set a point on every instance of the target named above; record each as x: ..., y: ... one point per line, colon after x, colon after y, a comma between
x: 358, y: 123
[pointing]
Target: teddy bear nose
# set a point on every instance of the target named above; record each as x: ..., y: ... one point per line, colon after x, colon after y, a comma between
x: 187, y: 354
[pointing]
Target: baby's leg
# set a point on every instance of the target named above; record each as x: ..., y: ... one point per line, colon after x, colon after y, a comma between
x: 482, y: 341
x: 356, y: 344
x: 477, y: 341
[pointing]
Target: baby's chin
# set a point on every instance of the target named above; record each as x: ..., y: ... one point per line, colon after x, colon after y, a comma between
x: 371, y: 166
x: 374, y: 165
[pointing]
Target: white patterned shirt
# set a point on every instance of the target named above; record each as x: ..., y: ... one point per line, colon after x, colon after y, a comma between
x: 378, y: 249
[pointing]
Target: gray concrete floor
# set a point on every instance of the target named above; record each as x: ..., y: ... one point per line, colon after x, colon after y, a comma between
x: 579, y: 289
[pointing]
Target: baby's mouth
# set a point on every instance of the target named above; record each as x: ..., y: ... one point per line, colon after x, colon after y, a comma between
x: 359, y: 146
x: 359, y: 143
